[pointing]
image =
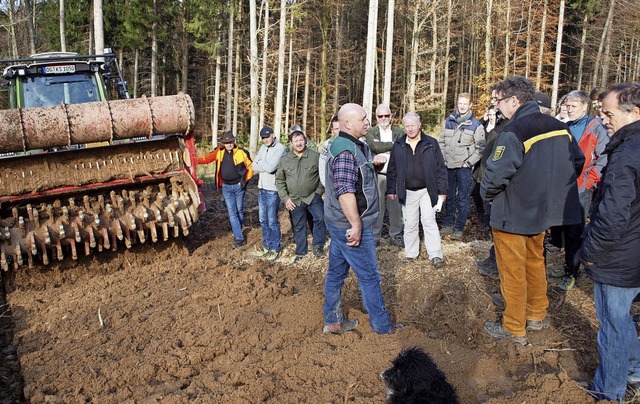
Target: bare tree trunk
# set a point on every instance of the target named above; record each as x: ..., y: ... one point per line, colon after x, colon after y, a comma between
x: 30, y: 28
x: 253, y: 77
x: 541, y: 48
x: 338, y: 59
x: 63, y: 35
x: 305, y: 99
x: 507, y: 40
x: 163, y: 81
x: 265, y: 57
x: 277, y: 110
x: 98, y: 26
x: 229, y: 109
x: 136, y: 60
x: 296, y: 86
x: 386, y: 92
x: 184, y: 78
x: 603, y: 37
x: 12, y: 30
x: 370, y: 63
x: 405, y: 58
x: 154, y: 50
x: 411, y: 78
x: 528, y: 45
x: 216, y: 101
x: 236, y: 88
x: 447, y: 51
x: 607, y: 51
x: 434, y: 53
x: 556, y: 67
x: 324, y: 79
x: 583, y: 41
x: 487, y: 45
x: 287, y: 104
x: 90, y: 47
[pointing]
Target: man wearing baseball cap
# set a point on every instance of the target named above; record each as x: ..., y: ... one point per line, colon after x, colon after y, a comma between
x: 266, y: 164
x: 233, y: 171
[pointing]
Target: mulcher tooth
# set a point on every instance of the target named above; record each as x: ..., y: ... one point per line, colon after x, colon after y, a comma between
x: 3, y: 258
x: 19, y: 260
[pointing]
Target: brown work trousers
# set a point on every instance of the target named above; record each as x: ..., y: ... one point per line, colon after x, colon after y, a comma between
x: 523, y: 279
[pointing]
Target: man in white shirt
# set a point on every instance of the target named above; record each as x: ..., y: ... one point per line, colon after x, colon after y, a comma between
x: 380, y: 139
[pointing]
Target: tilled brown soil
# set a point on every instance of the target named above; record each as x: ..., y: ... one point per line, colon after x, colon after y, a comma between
x: 196, y: 321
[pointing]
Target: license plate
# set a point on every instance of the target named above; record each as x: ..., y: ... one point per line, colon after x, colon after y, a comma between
x: 59, y: 69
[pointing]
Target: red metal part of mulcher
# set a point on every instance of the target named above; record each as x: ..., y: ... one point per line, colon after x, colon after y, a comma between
x: 93, y: 198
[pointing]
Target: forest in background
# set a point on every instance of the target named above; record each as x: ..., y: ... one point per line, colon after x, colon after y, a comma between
x: 249, y: 63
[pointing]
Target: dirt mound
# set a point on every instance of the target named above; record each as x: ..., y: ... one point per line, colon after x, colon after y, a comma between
x: 197, y: 321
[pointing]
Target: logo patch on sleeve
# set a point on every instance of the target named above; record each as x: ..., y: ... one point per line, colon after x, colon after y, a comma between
x: 497, y: 154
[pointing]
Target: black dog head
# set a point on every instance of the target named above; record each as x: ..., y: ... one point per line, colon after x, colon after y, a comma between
x: 415, y: 379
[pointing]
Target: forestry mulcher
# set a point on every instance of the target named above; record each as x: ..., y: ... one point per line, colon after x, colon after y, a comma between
x: 84, y: 168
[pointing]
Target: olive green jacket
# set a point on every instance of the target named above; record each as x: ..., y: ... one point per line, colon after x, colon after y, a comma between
x: 298, y: 178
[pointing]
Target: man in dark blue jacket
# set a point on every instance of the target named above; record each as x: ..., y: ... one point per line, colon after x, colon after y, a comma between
x: 417, y: 177
x: 530, y: 181
x: 611, y: 248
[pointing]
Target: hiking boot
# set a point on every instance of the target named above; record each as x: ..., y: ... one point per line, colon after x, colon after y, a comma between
x: 408, y: 260
x: 238, y: 243
x: 557, y: 273
x: 298, y: 258
x: 397, y: 241
x: 550, y: 247
x: 446, y: 231
x: 537, y: 325
x: 273, y: 255
x: 263, y: 252
x: 633, y: 380
x: 318, y: 251
x: 438, y: 262
x: 489, y: 261
x: 337, y: 329
x: 498, y: 300
x: 568, y: 282
x: 457, y: 235
x: 490, y: 271
x: 496, y: 330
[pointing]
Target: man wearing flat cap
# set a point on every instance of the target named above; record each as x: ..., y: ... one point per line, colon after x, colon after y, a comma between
x: 233, y: 171
x: 266, y: 165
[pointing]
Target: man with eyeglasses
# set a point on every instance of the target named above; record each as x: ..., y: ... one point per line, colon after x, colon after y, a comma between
x: 380, y: 139
x: 530, y: 181
x: 462, y: 142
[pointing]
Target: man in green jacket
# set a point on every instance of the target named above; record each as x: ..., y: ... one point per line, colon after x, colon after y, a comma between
x: 298, y: 184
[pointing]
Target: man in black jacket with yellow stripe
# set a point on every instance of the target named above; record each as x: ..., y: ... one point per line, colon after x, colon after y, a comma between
x: 530, y: 181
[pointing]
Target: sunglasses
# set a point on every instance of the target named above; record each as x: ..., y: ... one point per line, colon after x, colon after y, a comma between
x: 384, y: 116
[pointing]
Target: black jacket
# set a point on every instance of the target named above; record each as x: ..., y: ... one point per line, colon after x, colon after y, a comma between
x: 435, y: 171
x: 531, y: 176
x: 612, y: 238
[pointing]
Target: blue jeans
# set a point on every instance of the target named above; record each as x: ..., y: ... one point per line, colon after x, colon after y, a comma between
x: 364, y: 262
x: 299, y: 221
x: 268, y: 205
x: 457, y: 203
x: 618, y: 347
x: 234, y: 199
